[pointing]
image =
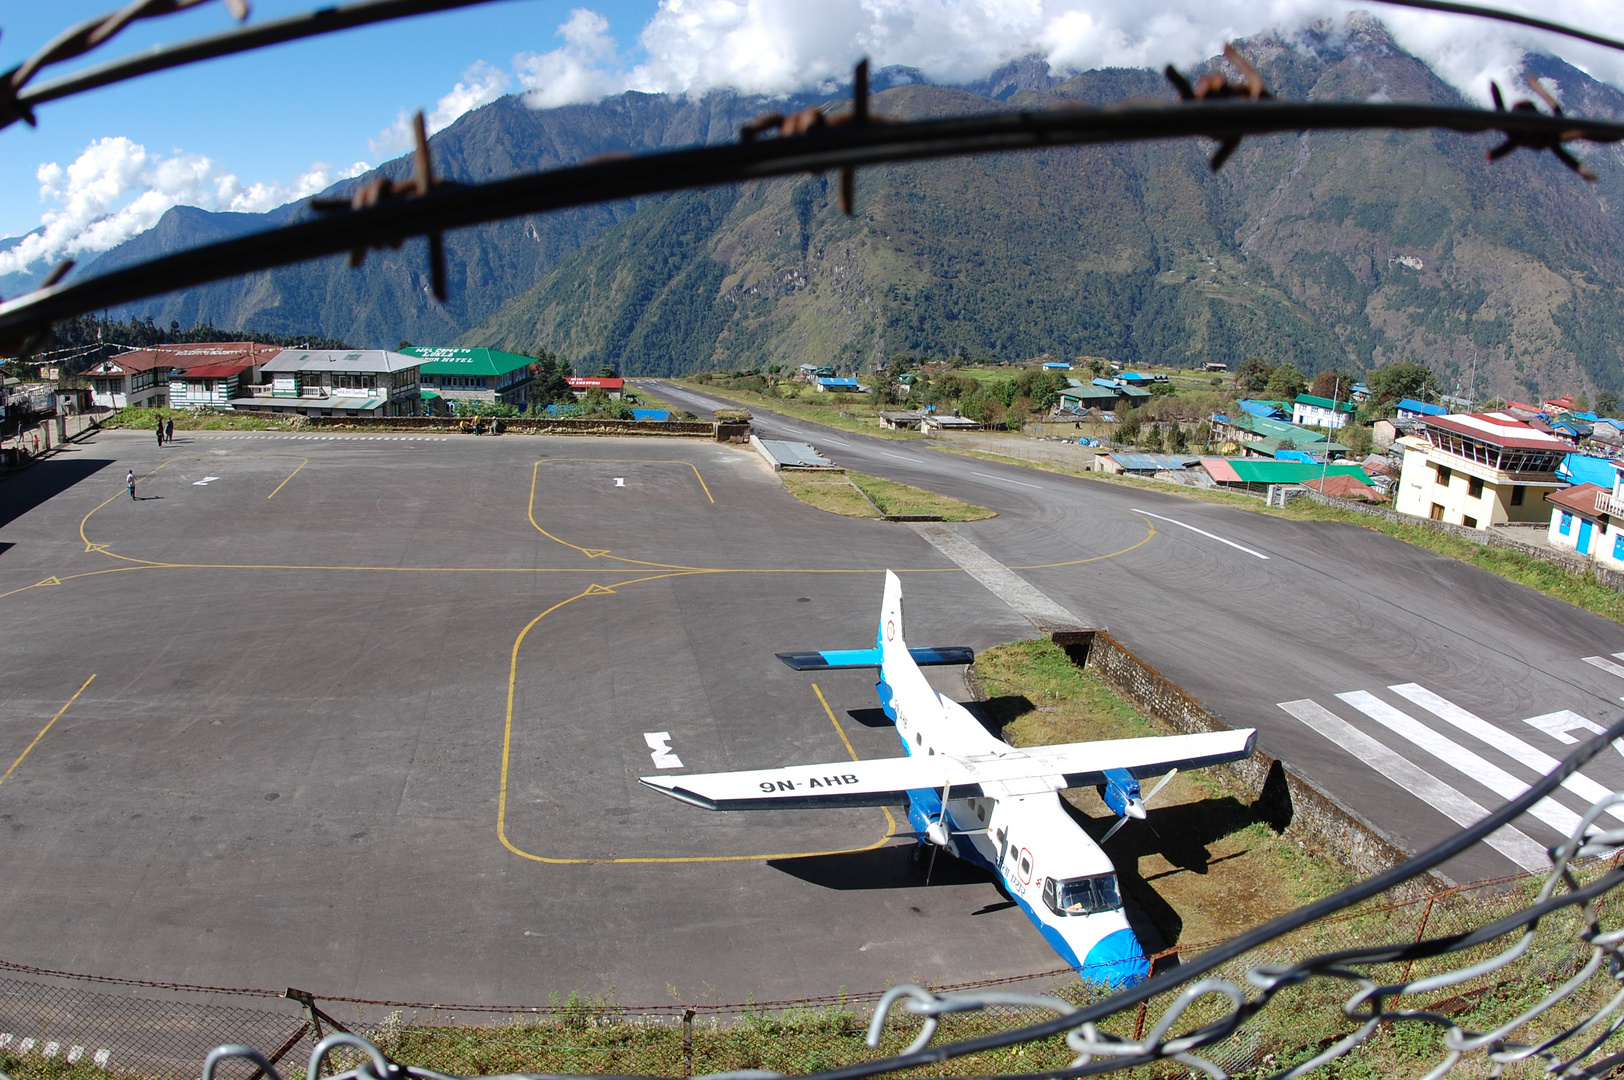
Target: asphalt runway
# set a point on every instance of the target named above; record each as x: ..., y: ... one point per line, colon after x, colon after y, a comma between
x: 367, y: 717
x: 1252, y: 612
x: 367, y: 713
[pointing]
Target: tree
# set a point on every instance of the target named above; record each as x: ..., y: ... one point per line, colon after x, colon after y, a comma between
x: 1391, y: 382
x: 1253, y: 375
x: 1331, y: 384
x: 1285, y: 382
x: 403, y: 346
x: 606, y: 371
x: 547, y: 385
x: 1607, y: 402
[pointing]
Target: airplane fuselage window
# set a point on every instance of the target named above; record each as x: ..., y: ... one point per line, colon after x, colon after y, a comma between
x: 1082, y: 896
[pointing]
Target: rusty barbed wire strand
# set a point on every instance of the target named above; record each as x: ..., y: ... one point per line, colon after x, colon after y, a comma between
x: 820, y: 149
x: 80, y: 39
x: 227, y: 43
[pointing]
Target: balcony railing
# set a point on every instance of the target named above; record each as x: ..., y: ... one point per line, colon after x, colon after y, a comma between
x: 1610, y: 503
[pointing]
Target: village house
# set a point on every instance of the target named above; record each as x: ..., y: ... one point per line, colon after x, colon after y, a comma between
x: 337, y: 382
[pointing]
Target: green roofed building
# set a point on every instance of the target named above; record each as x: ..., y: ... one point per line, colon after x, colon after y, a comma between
x: 474, y: 375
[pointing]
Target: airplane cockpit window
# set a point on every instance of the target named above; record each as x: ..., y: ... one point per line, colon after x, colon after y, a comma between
x: 1082, y: 896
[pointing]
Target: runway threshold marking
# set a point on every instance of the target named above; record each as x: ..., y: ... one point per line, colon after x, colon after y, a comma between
x: 46, y: 728
x: 507, y: 754
x: 1203, y: 532
x: 302, y: 463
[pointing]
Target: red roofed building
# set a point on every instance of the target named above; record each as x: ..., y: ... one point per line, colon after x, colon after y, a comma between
x: 584, y: 384
x: 141, y: 378
x: 1479, y: 469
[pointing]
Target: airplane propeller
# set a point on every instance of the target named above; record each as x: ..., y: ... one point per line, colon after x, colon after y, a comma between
x: 1134, y: 809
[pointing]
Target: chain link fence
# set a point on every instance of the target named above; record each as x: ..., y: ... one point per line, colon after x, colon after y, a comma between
x: 53, y: 1023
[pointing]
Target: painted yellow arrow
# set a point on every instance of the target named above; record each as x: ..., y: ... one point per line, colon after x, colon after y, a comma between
x: 593, y: 553
x: 89, y: 547
x: 52, y: 580
x: 598, y: 590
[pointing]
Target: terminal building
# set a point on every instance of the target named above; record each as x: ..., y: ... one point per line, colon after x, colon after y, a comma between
x: 475, y: 376
x: 1478, y: 470
x: 337, y: 382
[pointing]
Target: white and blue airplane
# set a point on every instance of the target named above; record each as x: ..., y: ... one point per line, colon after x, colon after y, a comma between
x: 977, y: 798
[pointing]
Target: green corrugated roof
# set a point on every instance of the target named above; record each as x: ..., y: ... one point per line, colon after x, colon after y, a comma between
x: 1278, y: 429
x: 1325, y: 402
x: 468, y: 361
x: 1258, y: 471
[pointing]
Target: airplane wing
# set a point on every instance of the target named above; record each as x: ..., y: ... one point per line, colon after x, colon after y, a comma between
x: 1083, y: 764
x: 880, y: 782
x: 886, y: 781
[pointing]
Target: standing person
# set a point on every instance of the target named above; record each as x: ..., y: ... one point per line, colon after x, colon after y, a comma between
x: 129, y: 482
x: 160, y: 432
x: 169, y: 431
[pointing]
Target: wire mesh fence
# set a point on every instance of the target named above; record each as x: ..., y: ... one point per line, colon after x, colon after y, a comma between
x: 52, y: 1023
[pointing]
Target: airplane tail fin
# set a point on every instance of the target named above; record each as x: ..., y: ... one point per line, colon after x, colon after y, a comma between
x: 888, y: 636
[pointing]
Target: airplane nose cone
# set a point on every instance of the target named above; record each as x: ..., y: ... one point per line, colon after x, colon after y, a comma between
x: 1116, y: 961
x: 1135, y: 810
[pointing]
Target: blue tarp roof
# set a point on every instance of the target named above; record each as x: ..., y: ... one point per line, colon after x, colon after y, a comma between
x: 651, y: 414
x: 1138, y: 376
x: 1151, y: 462
x: 837, y: 382
x: 1061, y: 364
x: 1584, y: 469
x: 1412, y: 405
x: 1265, y: 409
x: 1108, y: 383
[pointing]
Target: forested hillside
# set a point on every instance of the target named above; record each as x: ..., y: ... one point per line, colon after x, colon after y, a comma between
x: 1345, y: 250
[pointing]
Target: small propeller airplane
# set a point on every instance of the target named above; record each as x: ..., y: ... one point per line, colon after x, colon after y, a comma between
x: 982, y: 800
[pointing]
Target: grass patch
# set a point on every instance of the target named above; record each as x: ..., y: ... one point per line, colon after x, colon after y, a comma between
x: 843, y: 493
x: 829, y: 491
x: 196, y: 420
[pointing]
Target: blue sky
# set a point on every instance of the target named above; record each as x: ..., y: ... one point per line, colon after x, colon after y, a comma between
x: 266, y: 116
x: 251, y: 132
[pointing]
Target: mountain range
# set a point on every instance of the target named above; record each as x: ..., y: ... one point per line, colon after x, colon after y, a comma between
x: 1346, y: 250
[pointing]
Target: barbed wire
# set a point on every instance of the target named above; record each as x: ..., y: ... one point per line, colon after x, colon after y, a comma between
x: 387, y: 213
x: 329, y: 20
x: 818, y: 149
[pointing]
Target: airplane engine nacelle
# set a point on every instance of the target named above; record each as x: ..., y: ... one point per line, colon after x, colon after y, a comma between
x: 1120, y: 791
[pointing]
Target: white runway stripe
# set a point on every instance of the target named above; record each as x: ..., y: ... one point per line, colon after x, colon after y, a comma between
x: 1606, y: 665
x: 1459, y: 758
x: 1503, y: 741
x: 1203, y: 532
x: 1513, y: 844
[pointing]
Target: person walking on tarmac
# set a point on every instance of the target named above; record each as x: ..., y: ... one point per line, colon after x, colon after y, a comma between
x: 169, y: 431
x: 129, y: 482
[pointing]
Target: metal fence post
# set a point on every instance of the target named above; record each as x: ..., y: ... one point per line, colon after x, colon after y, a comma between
x: 687, y: 1042
x: 1420, y: 931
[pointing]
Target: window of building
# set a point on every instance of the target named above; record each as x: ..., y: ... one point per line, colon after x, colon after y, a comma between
x: 1517, y: 495
x: 1444, y: 475
x: 1469, y: 522
x: 1438, y: 512
x: 1566, y: 523
x: 1474, y: 487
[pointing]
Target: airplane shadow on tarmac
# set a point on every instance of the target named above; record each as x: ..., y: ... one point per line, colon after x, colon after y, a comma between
x: 890, y: 867
x: 44, y: 481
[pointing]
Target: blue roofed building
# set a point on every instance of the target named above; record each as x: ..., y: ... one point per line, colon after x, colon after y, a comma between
x: 1585, y: 469
x: 1411, y: 409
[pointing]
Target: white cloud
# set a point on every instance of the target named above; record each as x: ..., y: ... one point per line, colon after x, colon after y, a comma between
x: 780, y: 46
x: 260, y: 197
x: 117, y: 189
x: 583, y: 69
x: 480, y: 85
